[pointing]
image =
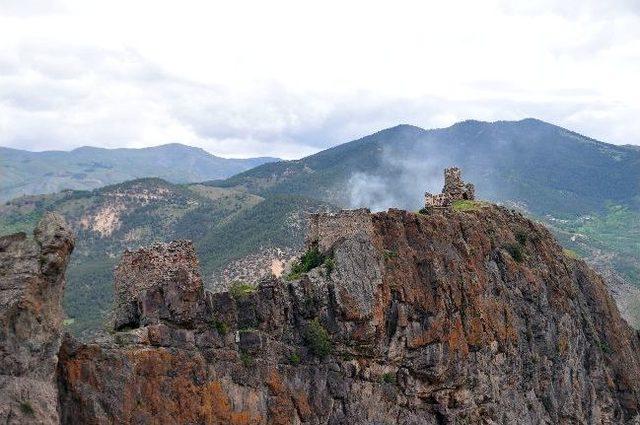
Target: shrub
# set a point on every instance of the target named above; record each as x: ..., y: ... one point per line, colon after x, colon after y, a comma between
x: 239, y: 289
x: 521, y: 237
x: 26, y: 408
x: 294, y: 359
x: 309, y: 260
x: 389, y: 378
x: 516, y: 252
x: 317, y: 338
x: 220, y: 326
x: 246, y: 359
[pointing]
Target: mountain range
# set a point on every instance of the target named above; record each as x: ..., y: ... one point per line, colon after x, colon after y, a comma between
x: 587, y: 191
x: 30, y: 173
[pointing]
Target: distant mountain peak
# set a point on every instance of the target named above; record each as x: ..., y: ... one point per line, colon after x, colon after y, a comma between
x: 88, y: 167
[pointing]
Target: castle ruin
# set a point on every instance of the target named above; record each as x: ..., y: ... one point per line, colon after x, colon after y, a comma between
x: 455, y: 189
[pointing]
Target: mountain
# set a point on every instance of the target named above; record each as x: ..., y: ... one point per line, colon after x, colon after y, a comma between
x: 469, y: 315
x: 585, y: 190
x: 544, y: 168
x: 30, y: 173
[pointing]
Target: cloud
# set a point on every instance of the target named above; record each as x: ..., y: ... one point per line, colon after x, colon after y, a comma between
x: 288, y: 81
x: 25, y: 8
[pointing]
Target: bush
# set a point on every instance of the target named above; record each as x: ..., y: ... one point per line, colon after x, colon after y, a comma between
x: 516, y: 252
x: 309, y: 260
x: 317, y: 339
x: 389, y: 378
x: 220, y: 326
x: 294, y: 359
x: 239, y: 289
x: 246, y: 359
x: 521, y: 237
x: 26, y: 408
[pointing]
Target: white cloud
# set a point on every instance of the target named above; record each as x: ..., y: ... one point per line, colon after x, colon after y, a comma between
x: 287, y: 78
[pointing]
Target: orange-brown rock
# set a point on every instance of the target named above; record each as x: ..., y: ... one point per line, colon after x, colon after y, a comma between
x: 446, y: 317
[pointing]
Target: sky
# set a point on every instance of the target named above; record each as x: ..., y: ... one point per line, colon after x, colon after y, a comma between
x: 289, y: 78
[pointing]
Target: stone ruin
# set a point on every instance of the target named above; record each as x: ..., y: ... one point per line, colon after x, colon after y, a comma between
x: 455, y: 189
x: 160, y: 283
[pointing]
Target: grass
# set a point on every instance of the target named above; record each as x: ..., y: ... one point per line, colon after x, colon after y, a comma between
x: 570, y: 253
x: 239, y: 290
x: 466, y: 205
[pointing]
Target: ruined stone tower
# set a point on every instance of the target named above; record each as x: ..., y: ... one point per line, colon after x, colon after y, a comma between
x: 454, y: 190
x: 455, y: 187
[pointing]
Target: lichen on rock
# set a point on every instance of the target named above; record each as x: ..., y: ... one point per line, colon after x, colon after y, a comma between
x: 422, y: 319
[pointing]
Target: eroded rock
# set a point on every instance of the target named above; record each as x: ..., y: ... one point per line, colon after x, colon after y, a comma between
x: 31, y: 288
x: 449, y: 317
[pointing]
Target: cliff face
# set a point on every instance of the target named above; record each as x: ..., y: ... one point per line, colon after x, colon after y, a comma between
x: 449, y: 317
x: 31, y: 287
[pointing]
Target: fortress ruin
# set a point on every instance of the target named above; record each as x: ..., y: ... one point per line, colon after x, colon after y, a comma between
x: 455, y: 189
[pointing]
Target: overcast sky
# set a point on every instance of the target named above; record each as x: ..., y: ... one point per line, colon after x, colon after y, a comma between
x: 288, y: 78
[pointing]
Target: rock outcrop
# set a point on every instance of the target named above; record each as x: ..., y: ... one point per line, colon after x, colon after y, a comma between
x: 31, y: 288
x: 471, y: 316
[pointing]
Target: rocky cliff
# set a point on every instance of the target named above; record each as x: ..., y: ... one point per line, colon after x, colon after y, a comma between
x: 472, y: 316
x: 31, y: 287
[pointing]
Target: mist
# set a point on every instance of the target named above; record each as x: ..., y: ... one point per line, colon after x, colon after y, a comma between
x: 402, y: 179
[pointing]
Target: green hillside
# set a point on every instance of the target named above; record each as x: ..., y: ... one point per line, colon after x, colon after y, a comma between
x: 29, y: 173
x: 224, y: 224
x: 545, y: 168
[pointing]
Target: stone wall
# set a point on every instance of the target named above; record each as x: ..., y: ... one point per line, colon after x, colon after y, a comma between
x: 455, y: 188
x: 325, y: 229
x: 159, y: 283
